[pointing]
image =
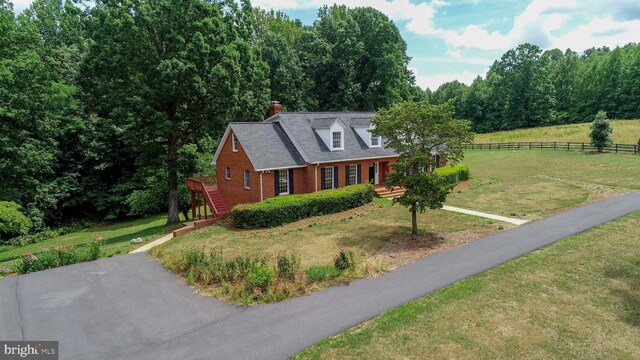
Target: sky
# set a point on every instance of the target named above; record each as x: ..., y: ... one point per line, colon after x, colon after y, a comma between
x: 459, y: 39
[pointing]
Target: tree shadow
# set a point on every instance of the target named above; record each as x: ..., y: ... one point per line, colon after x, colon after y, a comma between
x: 629, y: 274
x: 156, y: 230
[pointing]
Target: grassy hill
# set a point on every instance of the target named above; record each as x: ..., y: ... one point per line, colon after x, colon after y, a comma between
x: 624, y: 132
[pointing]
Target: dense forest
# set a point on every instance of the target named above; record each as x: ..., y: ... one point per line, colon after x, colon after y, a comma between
x: 528, y: 88
x: 107, y: 106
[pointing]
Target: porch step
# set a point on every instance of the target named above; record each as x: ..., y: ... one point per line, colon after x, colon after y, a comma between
x: 385, y: 193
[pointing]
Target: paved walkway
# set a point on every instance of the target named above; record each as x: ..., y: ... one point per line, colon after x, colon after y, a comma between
x: 128, y: 307
x: 485, y: 215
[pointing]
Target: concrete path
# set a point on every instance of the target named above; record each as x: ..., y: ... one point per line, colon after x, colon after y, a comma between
x: 128, y: 307
x: 485, y: 215
x: 153, y: 244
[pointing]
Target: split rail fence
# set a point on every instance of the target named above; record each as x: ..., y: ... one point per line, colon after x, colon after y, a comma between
x: 567, y: 146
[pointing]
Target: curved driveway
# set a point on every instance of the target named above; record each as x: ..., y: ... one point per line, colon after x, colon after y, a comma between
x: 129, y: 307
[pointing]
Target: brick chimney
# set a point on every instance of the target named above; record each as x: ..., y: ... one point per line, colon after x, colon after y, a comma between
x: 274, y: 108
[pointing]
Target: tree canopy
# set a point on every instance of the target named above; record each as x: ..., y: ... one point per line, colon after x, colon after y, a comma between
x: 528, y: 87
x: 417, y: 131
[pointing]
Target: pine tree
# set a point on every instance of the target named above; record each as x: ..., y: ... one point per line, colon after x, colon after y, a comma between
x: 601, y: 131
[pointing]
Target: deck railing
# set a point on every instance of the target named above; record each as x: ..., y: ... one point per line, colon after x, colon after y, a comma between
x: 198, y: 183
x: 567, y: 146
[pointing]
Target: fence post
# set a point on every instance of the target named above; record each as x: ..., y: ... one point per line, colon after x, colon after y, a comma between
x: 554, y: 145
x: 616, y: 148
x: 529, y: 145
x: 582, y: 147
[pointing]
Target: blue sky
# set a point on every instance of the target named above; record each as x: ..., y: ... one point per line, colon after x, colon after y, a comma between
x: 459, y: 39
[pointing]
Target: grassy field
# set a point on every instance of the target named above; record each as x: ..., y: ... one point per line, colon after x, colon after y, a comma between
x: 576, y: 299
x: 117, y: 237
x: 624, y: 132
x: 365, y: 230
x: 534, y: 183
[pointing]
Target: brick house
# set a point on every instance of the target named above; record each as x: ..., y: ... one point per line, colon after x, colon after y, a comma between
x: 295, y: 153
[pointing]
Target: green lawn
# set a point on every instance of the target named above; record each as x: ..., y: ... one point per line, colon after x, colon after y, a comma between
x: 624, y: 132
x: 534, y: 183
x: 117, y: 237
x: 365, y: 230
x: 576, y: 299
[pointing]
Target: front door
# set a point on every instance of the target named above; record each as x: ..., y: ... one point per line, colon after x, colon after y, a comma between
x: 374, y: 170
x: 372, y: 173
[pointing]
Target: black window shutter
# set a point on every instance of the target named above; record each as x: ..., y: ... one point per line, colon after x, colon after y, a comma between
x: 335, y: 177
x: 276, y: 178
x: 359, y: 174
x: 322, y: 178
x: 346, y: 173
x: 290, y: 181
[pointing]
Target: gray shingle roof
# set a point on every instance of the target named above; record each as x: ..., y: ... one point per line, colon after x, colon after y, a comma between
x: 298, y: 126
x: 267, y: 145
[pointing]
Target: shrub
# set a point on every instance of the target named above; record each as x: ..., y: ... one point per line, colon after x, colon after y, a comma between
x: 56, y: 256
x: 345, y: 260
x: 262, y: 276
x: 454, y: 174
x: 319, y: 273
x: 12, y: 221
x: 289, y: 208
x: 288, y: 265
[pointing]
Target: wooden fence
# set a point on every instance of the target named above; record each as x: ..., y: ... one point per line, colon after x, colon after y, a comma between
x: 567, y: 146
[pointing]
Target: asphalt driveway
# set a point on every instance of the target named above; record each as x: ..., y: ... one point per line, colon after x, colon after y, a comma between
x: 129, y: 307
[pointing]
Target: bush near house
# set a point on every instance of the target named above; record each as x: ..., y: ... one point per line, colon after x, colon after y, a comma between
x: 454, y: 174
x: 289, y: 208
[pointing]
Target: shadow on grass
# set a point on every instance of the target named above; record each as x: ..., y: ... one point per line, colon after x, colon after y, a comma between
x: 156, y: 230
x: 629, y: 274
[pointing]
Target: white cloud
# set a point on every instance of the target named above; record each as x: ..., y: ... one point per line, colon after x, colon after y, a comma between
x: 544, y: 23
x: 434, y: 81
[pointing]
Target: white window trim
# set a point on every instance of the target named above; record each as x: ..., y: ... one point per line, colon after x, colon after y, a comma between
x: 371, y: 137
x: 286, y: 171
x: 246, y: 175
x: 325, y: 177
x: 234, y: 143
x: 227, y: 173
x: 341, y: 140
x: 355, y: 174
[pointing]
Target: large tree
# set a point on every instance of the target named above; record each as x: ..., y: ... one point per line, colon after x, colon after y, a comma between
x: 164, y: 72
x: 415, y: 130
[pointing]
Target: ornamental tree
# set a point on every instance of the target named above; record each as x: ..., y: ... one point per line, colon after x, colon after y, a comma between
x: 417, y: 130
x: 601, y: 131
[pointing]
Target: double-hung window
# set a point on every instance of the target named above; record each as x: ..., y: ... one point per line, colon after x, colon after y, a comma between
x: 283, y: 182
x: 352, y: 174
x: 336, y: 140
x: 327, y: 181
x: 247, y: 179
x: 234, y: 142
x: 375, y: 141
x: 227, y: 173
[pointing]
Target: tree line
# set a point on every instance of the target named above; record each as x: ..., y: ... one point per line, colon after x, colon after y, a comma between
x: 529, y: 87
x: 107, y: 106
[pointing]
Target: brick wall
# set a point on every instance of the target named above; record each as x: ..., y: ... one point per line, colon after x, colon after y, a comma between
x: 233, y: 191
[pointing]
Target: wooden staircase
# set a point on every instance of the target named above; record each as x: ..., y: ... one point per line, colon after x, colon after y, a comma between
x: 383, y: 192
x: 215, y: 201
x: 206, y: 187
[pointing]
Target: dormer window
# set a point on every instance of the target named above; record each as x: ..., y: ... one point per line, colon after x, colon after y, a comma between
x: 375, y: 140
x: 336, y: 140
x: 234, y: 142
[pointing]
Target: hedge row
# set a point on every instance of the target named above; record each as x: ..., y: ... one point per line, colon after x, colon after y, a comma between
x: 289, y: 208
x: 454, y: 174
